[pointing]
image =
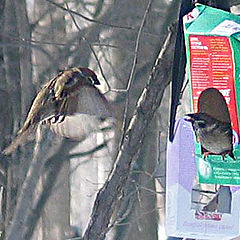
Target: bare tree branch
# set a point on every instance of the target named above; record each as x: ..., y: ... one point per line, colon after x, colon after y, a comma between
x: 134, y: 63
x: 91, y: 48
x: 148, y: 102
x: 31, y: 42
x: 50, y: 171
x: 28, y: 189
x: 137, y: 44
x: 86, y: 18
x: 30, y: 202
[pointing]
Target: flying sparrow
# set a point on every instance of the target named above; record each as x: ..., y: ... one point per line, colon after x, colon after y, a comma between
x: 214, y: 136
x: 70, y: 92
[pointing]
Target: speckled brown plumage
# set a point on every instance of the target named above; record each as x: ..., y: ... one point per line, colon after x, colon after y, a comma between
x: 71, y: 91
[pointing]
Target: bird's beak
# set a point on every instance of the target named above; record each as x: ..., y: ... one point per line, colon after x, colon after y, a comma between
x: 189, y: 117
x: 94, y: 81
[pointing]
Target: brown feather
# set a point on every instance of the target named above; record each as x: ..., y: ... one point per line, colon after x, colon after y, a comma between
x: 90, y: 101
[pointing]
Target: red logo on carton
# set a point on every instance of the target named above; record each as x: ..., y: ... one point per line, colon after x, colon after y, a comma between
x: 202, y: 215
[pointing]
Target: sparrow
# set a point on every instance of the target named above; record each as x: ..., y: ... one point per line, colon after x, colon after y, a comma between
x: 214, y: 136
x: 72, y: 91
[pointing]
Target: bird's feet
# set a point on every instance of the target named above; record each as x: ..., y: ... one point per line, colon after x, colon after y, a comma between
x: 229, y: 153
x: 223, y: 154
x: 205, y: 154
x: 58, y: 118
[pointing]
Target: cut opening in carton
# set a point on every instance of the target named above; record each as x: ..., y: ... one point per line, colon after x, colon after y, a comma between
x: 212, y: 103
x: 211, y: 198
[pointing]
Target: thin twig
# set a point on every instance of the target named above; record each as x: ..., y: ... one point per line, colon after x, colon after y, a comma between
x: 87, y: 18
x: 137, y: 44
x: 151, y: 191
x: 122, y: 216
x: 109, y: 62
x: 234, y: 2
x: 35, y: 42
x: 90, y: 46
x: 39, y: 43
x: 143, y: 185
x: 134, y: 64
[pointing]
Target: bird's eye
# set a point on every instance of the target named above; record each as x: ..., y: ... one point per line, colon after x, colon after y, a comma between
x: 91, y: 80
x: 202, y: 124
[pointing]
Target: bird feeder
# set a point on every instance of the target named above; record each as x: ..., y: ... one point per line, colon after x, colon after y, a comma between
x: 212, y: 38
x: 201, y: 201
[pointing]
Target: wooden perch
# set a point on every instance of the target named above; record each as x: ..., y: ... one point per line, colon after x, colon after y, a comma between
x: 150, y: 99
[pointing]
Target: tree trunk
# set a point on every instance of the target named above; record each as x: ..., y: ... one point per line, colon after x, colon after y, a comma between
x: 143, y: 221
x: 12, y: 70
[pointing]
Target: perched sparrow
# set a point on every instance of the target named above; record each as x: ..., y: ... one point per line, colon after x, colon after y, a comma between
x: 70, y: 92
x: 214, y: 136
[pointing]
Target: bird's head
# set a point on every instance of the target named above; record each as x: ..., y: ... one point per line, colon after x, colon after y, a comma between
x: 73, y: 77
x: 197, y: 119
x: 90, y: 75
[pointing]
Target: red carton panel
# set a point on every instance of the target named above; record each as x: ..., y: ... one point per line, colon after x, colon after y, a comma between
x: 211, y: 65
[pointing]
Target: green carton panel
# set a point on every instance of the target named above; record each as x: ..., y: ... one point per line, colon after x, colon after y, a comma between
x: 209, y: 19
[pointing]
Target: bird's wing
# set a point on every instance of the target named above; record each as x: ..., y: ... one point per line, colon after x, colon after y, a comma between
x: 227, y: 128
x: 89, y: 100
x: 76, y: 127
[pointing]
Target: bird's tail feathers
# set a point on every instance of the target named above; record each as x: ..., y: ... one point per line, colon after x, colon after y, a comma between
x: 20, y: 140
x: 232, y: 155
